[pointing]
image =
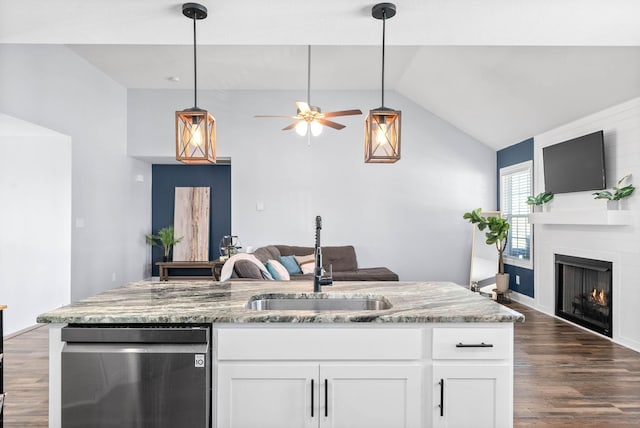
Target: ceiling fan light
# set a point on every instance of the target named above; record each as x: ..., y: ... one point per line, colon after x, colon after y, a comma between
x: 195, y: 137
x: 301, y: 128
x: 316, y: 128
x: 382, y: 136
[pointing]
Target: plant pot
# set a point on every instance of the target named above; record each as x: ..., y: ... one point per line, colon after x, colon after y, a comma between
x: 537, y: 208
x: 613, y: 205
x: 502, y: 282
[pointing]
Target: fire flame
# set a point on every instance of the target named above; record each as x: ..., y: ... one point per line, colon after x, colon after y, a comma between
x: 598, y: 297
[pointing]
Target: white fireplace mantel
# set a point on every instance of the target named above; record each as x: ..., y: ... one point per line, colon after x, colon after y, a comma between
x: 584, y: 217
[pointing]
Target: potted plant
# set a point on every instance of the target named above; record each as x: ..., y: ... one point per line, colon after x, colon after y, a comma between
x: 539, y: 200
x: 164, y: 239
x: 496, y: 234
x: 616, y: 194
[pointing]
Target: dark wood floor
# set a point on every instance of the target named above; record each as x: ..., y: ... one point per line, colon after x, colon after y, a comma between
x: 564, y: 377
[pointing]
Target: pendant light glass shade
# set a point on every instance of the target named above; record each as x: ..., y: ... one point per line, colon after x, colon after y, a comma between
x: 382, y: 136
x: 195, y: 137
x: 195, y: 128
x: 382, y: 125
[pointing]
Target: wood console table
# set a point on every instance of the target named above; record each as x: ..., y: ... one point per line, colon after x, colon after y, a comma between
x: 165, y: 266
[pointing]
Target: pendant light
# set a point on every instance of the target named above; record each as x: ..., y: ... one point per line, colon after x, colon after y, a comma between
x: 382, y: 125
x: 195, y: 128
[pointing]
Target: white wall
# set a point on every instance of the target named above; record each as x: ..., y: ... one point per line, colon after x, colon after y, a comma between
x: 35, y: 249
x: 406, y: 216
x: 618, y: 244
x: 53, y: 87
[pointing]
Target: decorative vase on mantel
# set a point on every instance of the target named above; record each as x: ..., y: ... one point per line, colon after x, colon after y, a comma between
x: 613, y: 205
x: 502, y: 282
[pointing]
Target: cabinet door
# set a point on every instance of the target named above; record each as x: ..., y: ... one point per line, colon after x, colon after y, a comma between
x: 370, y: 396
x: 472, y: 396
x: 267, y: 395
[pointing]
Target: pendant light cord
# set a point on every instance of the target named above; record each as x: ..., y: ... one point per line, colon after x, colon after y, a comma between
x: 195, y: 66
x: 384, y: 20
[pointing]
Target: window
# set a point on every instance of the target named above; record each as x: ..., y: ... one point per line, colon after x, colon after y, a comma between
x: 515, y: 186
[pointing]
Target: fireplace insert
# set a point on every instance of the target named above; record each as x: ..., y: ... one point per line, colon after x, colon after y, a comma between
x: 584, y: 292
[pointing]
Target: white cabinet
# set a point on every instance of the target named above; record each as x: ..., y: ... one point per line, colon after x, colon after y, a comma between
x: 471, y: 396
x: 397, y: 376
x: 282, y: 395
x: 267, y: 395
x: 472, y: 378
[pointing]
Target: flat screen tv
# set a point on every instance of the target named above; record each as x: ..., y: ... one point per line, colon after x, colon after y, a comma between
x: 575, y: 165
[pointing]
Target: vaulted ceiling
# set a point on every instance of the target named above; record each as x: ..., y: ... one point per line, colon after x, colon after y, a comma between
x: 500, y: 70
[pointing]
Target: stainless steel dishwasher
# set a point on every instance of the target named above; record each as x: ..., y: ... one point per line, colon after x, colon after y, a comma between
x: 156, y: 376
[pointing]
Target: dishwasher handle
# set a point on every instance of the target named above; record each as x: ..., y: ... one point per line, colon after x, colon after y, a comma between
x: 135, y: 334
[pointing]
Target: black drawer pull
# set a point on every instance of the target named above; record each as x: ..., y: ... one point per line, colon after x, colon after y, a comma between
x: 441, y: 383
x: 312, y: 400
x: 474, y: 345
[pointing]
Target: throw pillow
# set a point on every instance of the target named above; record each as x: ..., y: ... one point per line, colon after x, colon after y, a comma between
x: 307, y: 263
x: 290, y: 263
x: 277, y: 271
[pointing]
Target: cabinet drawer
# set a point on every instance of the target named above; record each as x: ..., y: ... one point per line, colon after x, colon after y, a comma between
x: 319, y: 344
x: 472, y: 343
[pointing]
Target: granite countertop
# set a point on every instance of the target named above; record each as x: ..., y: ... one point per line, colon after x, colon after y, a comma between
x: 214, y: 302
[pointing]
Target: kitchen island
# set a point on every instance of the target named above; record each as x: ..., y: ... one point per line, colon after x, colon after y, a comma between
x: 440, y: 355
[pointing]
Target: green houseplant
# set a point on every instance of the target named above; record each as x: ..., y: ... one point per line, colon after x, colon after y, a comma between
x: 617, y: 193
x: 540, y: 199
x: 163, y: 239
x: 497, y: 233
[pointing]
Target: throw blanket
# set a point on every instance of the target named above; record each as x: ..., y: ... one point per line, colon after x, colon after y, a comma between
x: 227, y: 269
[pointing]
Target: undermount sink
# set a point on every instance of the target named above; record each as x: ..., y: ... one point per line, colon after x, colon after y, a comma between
x: 317, y: 302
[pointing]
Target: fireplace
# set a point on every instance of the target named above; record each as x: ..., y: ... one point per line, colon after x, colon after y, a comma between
x: 584, y: 292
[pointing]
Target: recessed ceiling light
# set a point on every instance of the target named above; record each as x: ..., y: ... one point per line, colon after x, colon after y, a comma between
x: 174, y: 79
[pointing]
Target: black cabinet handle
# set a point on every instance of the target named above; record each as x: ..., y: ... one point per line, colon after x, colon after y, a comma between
x: 326, y: 398
x: 441, y: 383
x: 312, y: 400
x: 474, y: 345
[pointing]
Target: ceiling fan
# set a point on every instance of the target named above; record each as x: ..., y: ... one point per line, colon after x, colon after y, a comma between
x: 310, y: 119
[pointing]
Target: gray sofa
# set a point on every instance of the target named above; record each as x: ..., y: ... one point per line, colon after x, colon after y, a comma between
x: 342, y: 258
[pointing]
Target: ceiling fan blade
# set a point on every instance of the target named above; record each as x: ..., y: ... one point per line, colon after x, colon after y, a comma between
x: 342, y: 113
x: 330, y: 124
x: 286, y: 117
x: 288, y: 127
x: 302, y: 106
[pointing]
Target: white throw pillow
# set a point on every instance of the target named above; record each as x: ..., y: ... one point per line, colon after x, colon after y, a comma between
x: 307, y: 263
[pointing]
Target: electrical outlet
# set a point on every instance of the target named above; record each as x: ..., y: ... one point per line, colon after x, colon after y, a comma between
x: 517, y: 279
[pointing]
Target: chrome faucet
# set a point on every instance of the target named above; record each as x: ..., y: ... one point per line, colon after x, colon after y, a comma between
x: 319, y: 275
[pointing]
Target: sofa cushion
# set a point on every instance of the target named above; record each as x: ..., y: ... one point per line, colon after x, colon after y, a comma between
x: 277, y: 271
x: 246, y: 269
x: 264, y: 254
x: 366, y: 274
x: 343, y: 258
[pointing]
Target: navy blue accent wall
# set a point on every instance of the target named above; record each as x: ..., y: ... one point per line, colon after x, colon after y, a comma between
x: 512, y: 155
x: 165, y: 178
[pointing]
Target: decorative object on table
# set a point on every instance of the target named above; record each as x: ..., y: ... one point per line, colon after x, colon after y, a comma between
x: 195, y: 127
x: 497, y: 234
x: 382, y: 125
x: 164, y: 239
x: 539, y: 200
x: 616, y: 194
x: 191, y: 220
x: 309, y: 119
x: 229, y: 245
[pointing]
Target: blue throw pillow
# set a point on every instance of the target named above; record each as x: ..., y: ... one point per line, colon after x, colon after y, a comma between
x: 290, y: 263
